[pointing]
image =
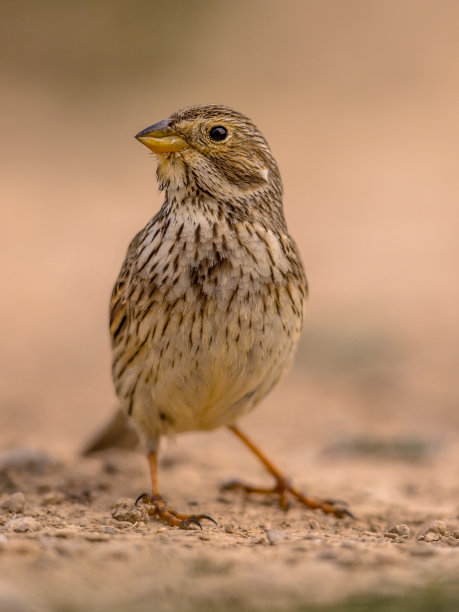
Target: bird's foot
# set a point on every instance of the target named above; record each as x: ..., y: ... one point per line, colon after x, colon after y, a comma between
x: 159, y: 509
x: 283, y: 489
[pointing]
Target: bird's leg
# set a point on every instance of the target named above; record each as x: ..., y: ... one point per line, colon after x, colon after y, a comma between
x: 159, y: 508
x: 283, y: 488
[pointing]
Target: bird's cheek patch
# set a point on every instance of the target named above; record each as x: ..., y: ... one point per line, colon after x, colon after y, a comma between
x: 243, y: 173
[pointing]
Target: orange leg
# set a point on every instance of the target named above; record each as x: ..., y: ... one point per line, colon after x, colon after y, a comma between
x: 283, y: 488
x: 158, y: 506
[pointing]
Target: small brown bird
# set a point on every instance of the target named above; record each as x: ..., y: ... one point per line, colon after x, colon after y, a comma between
x: 208, y: 307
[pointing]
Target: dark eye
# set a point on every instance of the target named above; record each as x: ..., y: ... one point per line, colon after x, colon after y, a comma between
x: 218, y: 133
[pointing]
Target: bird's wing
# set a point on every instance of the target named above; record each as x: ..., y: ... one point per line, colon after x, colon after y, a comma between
x: 119, y: 311
x: 116, y: 432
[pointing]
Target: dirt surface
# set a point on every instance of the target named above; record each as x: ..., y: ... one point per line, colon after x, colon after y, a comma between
x: 72, y: 539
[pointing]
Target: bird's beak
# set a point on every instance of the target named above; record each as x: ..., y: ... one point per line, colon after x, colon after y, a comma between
x: 161, y: 138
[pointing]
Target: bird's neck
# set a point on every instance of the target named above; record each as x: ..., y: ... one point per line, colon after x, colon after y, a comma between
x: 193, y: 203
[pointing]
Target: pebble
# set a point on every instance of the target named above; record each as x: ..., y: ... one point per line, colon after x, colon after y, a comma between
x: 432, y: 537
x: 125, y: 510
x: 231, y: 528
x: 274, y: 536
x: 21, y: 525
x: 455, y: 534
x: 398, y: 530
x: 314, y: 524
x: 431, y: 530
x: 14, y: 503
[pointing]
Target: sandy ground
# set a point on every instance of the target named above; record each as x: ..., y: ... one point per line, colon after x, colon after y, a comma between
x: 72, y: 539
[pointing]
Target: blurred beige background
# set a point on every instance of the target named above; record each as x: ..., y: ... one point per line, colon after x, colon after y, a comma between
x: 359, y: 101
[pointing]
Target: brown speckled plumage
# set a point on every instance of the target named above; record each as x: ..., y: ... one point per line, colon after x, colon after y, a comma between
x: 208, y: 307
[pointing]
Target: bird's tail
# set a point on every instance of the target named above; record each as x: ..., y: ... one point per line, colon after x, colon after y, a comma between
x: 117, y: 432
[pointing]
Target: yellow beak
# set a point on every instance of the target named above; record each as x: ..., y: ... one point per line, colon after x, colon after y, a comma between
x: 161, y: 138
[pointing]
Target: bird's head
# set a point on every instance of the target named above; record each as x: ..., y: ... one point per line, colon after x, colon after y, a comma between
x: 217, y: 149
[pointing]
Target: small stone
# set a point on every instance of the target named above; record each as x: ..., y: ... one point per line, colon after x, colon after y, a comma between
x: 399, y: 530
x: 21, y: 525
x: 204, y: 537
x: 434, y: 527
x: 108, y: 529
x: 313, y: 524
x: 53, y: 498
x: 125, y: 510
x: 392, y: 536
x: 274, y: 536
x: 455, y: 534
x: 231, y: 528
x: 432, y: 537
x: 14, y: 503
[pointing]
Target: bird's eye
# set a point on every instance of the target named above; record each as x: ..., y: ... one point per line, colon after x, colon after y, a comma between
x: 218, y: 133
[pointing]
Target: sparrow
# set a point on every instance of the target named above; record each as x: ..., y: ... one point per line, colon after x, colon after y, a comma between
x: 207, y: 310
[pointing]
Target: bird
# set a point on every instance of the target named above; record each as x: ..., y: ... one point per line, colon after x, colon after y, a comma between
x: 207, y: 310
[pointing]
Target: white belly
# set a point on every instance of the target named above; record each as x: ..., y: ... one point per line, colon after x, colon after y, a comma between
x: 209, y: 371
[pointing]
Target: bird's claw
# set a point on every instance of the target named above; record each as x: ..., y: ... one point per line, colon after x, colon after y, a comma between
x: 142, y: 497
x: 196, y: 520
x: 191, y: 520
x: 158, y: 508
x: 207, y: 517
x: 283, y: 488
